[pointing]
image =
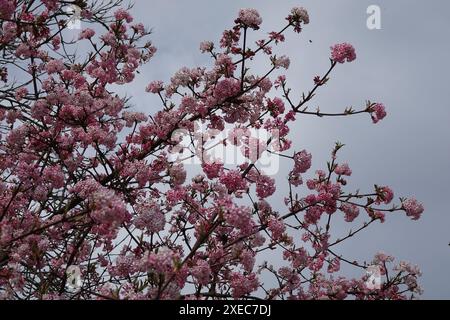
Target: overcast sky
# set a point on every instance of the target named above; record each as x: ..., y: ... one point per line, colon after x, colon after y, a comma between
x: 404, y: 65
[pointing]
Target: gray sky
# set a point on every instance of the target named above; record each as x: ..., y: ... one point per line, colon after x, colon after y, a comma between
x: 404, y: 65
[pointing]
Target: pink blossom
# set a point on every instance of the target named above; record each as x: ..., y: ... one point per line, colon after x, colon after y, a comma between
x: 351, y: 211
x: 240, y: 218
x: 50, y: 4
x: 86, y: 34
x: 21, y: 93
x: 233, y: 181
x: 302, y: 161
x: 161, y: 262
x: 155, y: 87
x: 277, y: 227
x: 243, y: 284
x: 384, y: 194
x: 381, y: 257
x: 278, y: 37
x: 265, y: 186
x: 108, y: 210
x: 212, y: 170
x: 343, y: 51
x: 225, y: 65
x: 201, y: 272
x: 413, y: 208
x: 313, y: 214
x: 122, y: 14
x: 56, y: 42
x: 133, y: 117
x: 298, y: 16
x: 178, y: 174
x: 299, y: 257
x: 377, y: 112
x: 282, y: 62
x: 7, y: 8
x: 343, y: 169
x: 334, y: 265
x: 23, y: 50
x: 249, y: 18
x: 227, y: 88
x: 275, y: 106
x: 54, y: 66
x: 206, y: 46
x: 149, y: 217
x: 54, y: 176
x: 247, y: 260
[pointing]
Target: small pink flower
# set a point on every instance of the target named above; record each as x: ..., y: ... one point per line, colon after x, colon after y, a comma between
x: 54, y: 66
x: 378, y: 112
x: 133, y: 117
x: 298, y: 16
x: 212, y: 170
x: 277, y: 227
x: 21, y: 93
x: 282, y: 62
x: 249, y: 18
x: 343, y: 51
x: 243, y: 284
x: 201, y: 272
x: 385, y: 194
x: 7, y: 8
x: 122, y: 14
x: 149, y: 217
x: 233, y: 181
x: 265, y: 187
x: 86, y: 34
x: 155, y: 87
x: 351, y: 211
x: 343, y: 170
x: 206, y: 46
x: 413, y: 208
x: 302, y: 161
x: 227, y: 88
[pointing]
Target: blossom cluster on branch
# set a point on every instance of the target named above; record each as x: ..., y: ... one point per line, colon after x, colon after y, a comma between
x: 87, y: 182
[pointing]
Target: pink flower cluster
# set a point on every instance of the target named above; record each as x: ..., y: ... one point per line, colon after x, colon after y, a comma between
x: 212, y: 170
x: 108, y: 209
x: 378, y: 112
x: 249, y: 18
x: 413, y: 208
x: 155, y: 87
x: 343, y: 169
x: 265, y: 186
x: 206, y: 46
x: 384, y: 195
x: 282, y: 62
x: 351, y: 211
x: 343, y: 52
x: 226, y: 88
x: 201, y: 272
x: 243, y: 284
x: 241, y: 219
x: 233, y: 180
x: 7, y: 8
x: 298, y: 16
x: 149, y: 217
x: 86, y: 34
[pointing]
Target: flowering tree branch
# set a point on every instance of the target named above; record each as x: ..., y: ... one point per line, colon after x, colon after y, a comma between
x: 88, y: 184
